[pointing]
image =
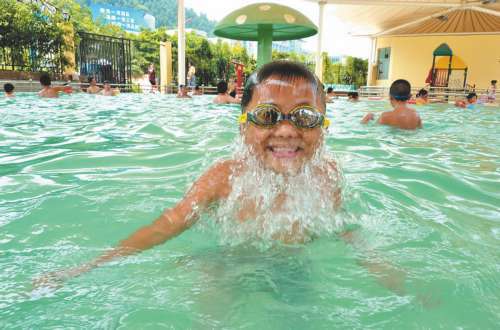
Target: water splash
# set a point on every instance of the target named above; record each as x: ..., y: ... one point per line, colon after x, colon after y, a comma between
x: 265, y: 207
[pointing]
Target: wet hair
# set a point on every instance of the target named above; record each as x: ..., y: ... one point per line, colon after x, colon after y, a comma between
x: 493, y: 82
x: 197, y: 87
x: 329, y: 89
x: 400, y: 90
x: 105, y: 82
x: 286, y: 70
x: 423, y: 92
x: 471, y: 95
x: 8, y: 88
x: 90, y: 79
x: 353, y: 95
x: 45, y: 79
x: 221, y: 87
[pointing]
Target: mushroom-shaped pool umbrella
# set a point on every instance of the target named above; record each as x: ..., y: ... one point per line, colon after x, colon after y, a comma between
x: 265, y: 22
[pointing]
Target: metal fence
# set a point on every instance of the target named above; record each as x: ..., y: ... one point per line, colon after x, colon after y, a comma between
x: 105, y: 58
x: 435, y: 93
x: 31, y: 58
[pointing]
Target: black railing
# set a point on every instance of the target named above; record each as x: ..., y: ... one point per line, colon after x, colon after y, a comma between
x: 32, y: 58
x: 105, y: 58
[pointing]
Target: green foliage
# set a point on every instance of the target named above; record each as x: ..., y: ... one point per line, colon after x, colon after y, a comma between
x: 29, y: 34
x: 352, y: 72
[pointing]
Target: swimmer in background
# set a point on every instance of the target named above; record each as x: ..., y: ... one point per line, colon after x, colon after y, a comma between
x: 282, y: 126
x: 469, y: 102
x: 48, y: 90
x: 93, y: 88
x: 231, y: 88
x: 8, y: 89
x: 108, y: 90
x: 329, y: 95
x: 353, y: 97
x: 183, y: 92
x: 422, y: 97
x: 197, y: 90
x: 402, y: 116
x: 222, y: 96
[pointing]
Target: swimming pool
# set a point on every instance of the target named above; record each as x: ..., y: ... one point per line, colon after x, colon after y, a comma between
x: 81, y: 172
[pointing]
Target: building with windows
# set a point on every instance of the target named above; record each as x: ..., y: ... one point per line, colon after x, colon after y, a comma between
x: 130, y: 19
x: 442, y: 43
x: 296, y: 46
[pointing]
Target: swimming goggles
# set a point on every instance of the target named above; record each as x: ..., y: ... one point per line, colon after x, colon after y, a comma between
x: 269, y: 115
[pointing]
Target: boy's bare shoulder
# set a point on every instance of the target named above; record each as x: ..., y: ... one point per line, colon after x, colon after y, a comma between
x: 217, y: 177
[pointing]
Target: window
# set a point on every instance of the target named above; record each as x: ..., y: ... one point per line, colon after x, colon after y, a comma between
x: 384, y: 57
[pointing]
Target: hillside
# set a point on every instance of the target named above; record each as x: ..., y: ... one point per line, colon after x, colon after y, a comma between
x: 165, y: 12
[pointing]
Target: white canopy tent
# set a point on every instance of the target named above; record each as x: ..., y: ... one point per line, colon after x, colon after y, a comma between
x: 374, y: 18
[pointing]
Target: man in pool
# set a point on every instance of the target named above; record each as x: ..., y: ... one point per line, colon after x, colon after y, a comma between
x: 8, y: 89
x: 222, y: 96
x: 402, y: 116
x: 353, y: 97
x: 93, y: 88
x: 330, y: 95
x: 50, y: 91
x: 282, y: 126
x: 183, y: 92
x: 108, y: 90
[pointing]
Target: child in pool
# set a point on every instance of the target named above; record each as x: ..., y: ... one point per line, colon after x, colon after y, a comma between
x: 282, y: 123
x: 402, y: 116
x: 9, y: 90
x: 422, y: 97
x: 48, y: 90
x: 470, y: 101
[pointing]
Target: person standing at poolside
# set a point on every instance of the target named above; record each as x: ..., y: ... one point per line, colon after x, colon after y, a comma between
x: 402, y: 116
x: 191, y: 76
x: 9, y: 90
x: 152, y: 77
x: 492, y: 92
x: 222, y: 96
x: 48, y: 90
x: 93, y: 88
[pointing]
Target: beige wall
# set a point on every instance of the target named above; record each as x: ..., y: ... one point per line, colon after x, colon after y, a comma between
x: 411, y: 57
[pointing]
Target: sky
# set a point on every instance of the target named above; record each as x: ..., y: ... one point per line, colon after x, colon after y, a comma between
x: 336, y: 38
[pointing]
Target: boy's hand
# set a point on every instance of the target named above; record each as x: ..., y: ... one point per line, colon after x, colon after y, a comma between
x: 55, y: 280
x: 367, y: 118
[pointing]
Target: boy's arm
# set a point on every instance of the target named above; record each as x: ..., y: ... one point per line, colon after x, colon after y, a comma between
x: 207, y: 189
x: 65, y: 89
x: 367, y: 118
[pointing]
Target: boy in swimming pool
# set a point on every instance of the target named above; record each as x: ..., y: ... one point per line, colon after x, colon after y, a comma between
x: 50, y: 91
x: 402, y: 116
x: 9, y: 90
x: 282, y: 125
x: 469, y: 102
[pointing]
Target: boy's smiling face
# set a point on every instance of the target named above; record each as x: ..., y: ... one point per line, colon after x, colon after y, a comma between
x: 283, y: 147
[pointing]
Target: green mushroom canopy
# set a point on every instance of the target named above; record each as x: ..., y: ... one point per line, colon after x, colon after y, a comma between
x: 265, y: 22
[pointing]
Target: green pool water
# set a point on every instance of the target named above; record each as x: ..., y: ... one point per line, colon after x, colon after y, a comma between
x: 80, y: 173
